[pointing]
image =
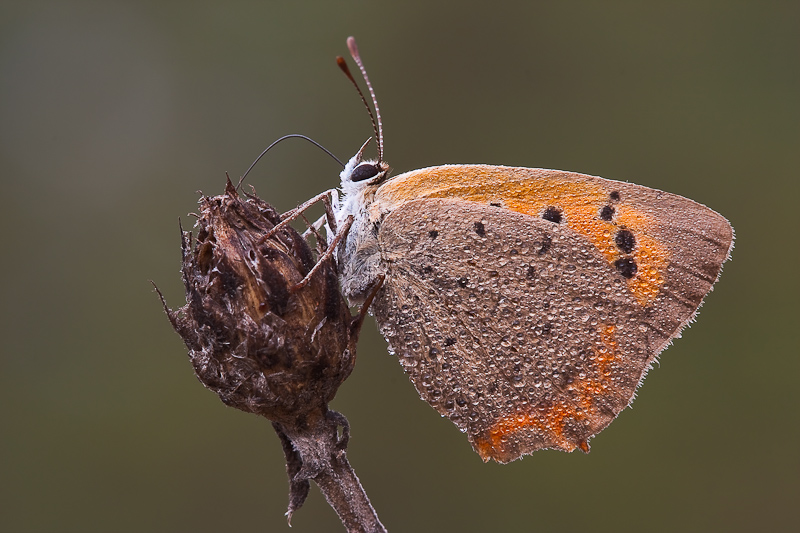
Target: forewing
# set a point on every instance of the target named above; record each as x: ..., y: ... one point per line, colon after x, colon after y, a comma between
x: 641, y: 232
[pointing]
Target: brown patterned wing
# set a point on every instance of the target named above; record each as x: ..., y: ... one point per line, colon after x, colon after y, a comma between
x: 519, y: 330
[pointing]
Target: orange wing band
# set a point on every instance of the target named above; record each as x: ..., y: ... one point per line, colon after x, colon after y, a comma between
x: 578, y: 197
x: 550, y: 420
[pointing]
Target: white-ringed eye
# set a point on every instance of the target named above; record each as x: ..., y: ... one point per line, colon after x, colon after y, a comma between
x: 364, y: 171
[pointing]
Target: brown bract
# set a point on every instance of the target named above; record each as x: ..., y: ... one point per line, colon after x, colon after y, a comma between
x: 261, y: 346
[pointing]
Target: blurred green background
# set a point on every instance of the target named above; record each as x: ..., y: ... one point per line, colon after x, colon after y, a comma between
x: 113, y: 115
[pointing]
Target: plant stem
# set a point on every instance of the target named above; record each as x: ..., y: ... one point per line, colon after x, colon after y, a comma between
x: 314, y: 451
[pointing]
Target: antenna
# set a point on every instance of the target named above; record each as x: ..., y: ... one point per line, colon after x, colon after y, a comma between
x: 290, y: 136
x: 376, y: 125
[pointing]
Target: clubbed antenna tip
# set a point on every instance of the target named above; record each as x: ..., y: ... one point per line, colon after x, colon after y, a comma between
x: 377, y: 125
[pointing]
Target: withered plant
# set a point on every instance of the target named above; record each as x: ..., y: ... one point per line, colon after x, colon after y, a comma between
x: 272, y: 335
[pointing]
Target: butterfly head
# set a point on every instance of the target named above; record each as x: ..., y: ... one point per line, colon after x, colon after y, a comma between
x: 360, y: 173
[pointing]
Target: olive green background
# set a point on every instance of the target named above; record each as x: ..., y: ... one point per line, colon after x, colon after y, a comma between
x: 113, y: 115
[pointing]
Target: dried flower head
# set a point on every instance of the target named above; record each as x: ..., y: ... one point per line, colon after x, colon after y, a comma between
x: 262, y: 344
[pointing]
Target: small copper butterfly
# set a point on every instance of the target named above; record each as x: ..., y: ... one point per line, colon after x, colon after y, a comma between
x: 526, y: 305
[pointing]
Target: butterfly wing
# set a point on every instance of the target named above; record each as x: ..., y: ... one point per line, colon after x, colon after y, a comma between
x: 518, y: 328
x: 641, y: 232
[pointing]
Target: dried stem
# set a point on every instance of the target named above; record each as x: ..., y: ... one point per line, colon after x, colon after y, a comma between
x: 315, y: 451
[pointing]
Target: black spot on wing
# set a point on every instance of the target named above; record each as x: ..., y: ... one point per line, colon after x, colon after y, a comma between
x: 553, y: 214
x: 625, y: 240
x: 626, y: 267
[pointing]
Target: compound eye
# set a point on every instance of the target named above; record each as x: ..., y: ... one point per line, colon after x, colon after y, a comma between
x: 364, y: 171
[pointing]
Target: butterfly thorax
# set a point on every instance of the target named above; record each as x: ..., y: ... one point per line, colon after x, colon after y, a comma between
x: 359, y: 254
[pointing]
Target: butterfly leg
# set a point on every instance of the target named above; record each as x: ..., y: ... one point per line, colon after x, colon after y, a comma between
x: 292, y: 214
x: 341, y: 234
x: 313, y: 229
x: 362, y: 312
x: 328, y: 220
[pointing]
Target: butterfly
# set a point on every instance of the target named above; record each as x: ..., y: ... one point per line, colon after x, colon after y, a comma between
x: 526, y: 305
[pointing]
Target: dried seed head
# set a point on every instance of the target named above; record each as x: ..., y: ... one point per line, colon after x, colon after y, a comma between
x: 260, y: 346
